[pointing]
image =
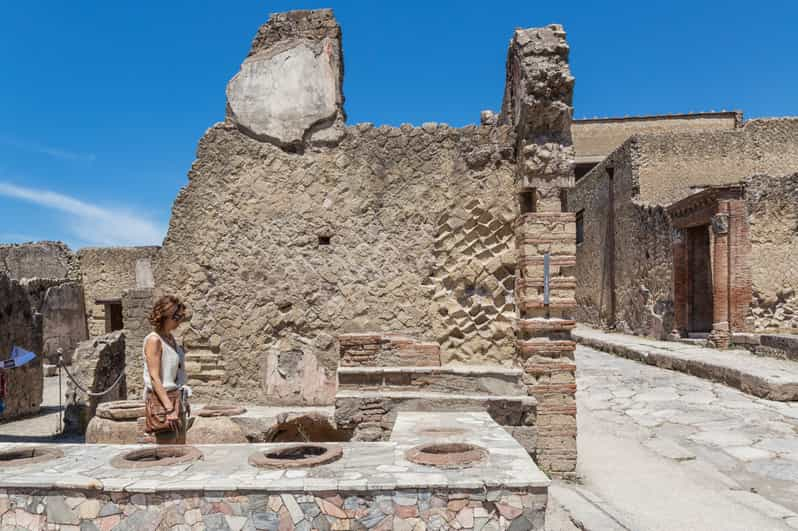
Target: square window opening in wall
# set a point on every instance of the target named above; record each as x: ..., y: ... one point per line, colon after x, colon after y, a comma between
x: 324, y: 240
x: 580, y: 226
x: 527, y: 201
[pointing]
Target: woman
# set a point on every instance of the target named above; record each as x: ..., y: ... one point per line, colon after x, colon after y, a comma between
x: 165, y: 368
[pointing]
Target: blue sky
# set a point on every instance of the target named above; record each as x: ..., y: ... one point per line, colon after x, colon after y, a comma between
x: 103, y: 102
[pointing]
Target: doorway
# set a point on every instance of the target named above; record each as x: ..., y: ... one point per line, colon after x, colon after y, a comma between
x: 699, y: 280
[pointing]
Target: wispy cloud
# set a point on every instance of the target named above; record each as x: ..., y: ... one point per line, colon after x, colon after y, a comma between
x: 94, y: 225
x: 58, y: 153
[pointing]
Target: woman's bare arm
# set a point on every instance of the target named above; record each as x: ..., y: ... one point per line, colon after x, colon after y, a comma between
x: 152, y: 353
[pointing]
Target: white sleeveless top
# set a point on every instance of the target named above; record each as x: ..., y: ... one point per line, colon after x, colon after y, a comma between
x: 173, y: 366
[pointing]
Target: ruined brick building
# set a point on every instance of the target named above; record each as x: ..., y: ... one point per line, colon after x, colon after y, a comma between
x: 688, y: 227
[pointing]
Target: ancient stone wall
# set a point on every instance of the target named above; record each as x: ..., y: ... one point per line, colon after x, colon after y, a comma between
x: 39, y: 260
x: 772, y: 204
x: 106, y: 272
x: 20, y: 325
x: 294, y: 229
x: 373, y: 235
x: 598, y: 137
x: 136, y: 308
x: 670, y: 163
x: 64, y: 321
x: 284, y: 239
x: 624, y: 263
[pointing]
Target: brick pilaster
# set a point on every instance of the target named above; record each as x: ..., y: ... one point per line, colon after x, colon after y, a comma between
x: 538, y: 103
x: 720, y: 335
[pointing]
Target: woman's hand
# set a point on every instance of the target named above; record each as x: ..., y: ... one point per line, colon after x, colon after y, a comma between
x: 173, y: 419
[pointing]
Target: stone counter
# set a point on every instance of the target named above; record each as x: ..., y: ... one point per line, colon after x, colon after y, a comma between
x: 372, y: 486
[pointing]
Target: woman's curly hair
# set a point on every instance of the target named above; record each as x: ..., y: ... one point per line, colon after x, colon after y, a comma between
x: 163, y: 309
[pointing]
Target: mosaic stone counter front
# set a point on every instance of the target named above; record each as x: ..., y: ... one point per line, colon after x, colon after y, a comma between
x: 372, y: 486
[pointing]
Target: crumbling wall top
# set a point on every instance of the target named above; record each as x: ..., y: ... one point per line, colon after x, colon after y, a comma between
x: 314, y: 25
x: 539, y: 87
x: 289, y: 90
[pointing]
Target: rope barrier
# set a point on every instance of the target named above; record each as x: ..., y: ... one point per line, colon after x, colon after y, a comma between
x: 83, y: 389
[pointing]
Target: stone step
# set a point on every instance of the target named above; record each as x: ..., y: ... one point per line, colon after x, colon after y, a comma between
x: 207, y: 376
x: 476, y: 379
x: 380, y: 407
x: 202, y: 357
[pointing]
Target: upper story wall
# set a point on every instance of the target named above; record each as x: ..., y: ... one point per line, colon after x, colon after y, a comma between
x: 106, y: 272
x: 38, y: 260
x: 596, y: 138
x: 670, y: 163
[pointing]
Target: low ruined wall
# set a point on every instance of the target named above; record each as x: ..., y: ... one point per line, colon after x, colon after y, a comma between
x: 772, y: 204
x: 420, y: 241
x: 670, y: 163
x: 108, y: 271
x: 20, y: 326
x: 96, y: 365
x: 39, y: 260
x: 598, y: 137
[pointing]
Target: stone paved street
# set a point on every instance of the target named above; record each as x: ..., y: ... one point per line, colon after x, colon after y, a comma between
x: 663, y: 450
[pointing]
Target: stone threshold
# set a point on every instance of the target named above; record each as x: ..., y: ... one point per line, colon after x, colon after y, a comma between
x: 759, y: 376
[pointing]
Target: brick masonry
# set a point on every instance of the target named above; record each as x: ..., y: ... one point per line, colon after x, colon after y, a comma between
x: 720, y: 214
x: 538, y: 103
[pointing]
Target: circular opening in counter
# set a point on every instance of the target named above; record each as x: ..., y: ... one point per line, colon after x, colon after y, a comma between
x: 221, y: 410
x: 121, y: 410
x: 446, y: 455
x: 28, y: 455
x: 296, y: 456
x: 156, y: 456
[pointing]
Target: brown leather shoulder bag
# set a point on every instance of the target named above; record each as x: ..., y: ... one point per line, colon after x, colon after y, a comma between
x: 155, y: 413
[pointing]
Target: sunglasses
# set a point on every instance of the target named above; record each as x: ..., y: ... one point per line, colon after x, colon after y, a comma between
x: 178, y: 315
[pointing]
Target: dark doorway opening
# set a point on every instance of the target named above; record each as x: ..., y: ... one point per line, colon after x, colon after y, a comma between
x: 113, y: 317
x: 699, y: 280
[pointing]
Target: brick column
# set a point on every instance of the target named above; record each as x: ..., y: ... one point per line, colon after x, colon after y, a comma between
x: 538, y: 103
x: 680, y: 283
x: 720, y: 335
